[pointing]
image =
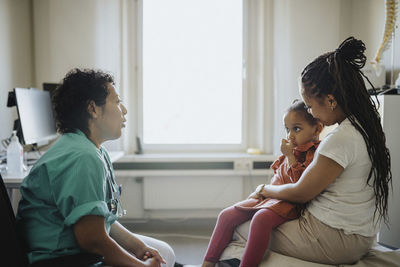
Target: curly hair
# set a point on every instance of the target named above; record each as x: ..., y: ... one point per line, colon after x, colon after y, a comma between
x: 72, y: 97
x: 300, y: 107
x: 339, y: 73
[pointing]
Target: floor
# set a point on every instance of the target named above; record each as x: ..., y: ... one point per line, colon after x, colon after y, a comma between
x: 188, y: 238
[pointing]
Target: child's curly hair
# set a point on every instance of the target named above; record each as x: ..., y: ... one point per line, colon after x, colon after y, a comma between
x: 300, y: 107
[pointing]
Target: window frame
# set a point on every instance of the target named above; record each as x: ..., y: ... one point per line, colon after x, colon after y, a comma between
x: 253, y: 120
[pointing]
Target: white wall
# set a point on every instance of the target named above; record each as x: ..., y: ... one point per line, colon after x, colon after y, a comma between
x: 366, y: 20
x: 74, y: 33
x: 42, y: 40
x: 15, y: 56
x: 303, y: 30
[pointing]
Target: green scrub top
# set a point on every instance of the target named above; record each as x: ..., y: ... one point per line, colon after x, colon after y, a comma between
x: 69, y: 181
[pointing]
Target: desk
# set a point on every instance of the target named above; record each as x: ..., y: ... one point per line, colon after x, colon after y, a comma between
x: 13, y: 181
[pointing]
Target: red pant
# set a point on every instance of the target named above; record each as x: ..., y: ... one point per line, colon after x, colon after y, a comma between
x: 262, y: 223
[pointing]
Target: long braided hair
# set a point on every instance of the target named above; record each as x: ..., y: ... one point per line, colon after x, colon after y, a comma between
x: 339, y: 73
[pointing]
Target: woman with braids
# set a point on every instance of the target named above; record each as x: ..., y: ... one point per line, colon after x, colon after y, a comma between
x: 347, y: 183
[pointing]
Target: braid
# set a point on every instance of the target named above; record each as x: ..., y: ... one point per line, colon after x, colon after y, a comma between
x: 339, y: 73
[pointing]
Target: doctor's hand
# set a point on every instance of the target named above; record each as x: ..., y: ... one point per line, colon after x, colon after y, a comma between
x: 152, y: 262
x: 150, y: 253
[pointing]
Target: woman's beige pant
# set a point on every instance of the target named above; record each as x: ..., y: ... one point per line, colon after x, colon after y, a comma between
x: 309, y: 239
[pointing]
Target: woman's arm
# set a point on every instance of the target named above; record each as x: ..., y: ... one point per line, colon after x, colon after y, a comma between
x: 319, y: 174
x: 91, y: 235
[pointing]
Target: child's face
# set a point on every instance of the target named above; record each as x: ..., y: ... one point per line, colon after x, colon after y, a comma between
x: 298, y: 130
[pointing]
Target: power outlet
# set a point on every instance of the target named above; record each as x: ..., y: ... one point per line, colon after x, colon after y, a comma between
x: 243, y: 164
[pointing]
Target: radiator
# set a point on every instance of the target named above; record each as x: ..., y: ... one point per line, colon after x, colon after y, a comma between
x: 181, y: 192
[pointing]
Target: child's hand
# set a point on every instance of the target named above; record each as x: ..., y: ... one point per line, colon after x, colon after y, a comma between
x: 287, y: 148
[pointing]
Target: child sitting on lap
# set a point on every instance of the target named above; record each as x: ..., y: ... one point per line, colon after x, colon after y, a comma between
x: 265, y: 213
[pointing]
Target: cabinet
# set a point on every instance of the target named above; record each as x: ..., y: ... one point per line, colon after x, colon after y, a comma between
x: 389, y: 111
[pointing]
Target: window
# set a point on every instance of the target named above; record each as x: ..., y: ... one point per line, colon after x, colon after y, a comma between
x: 192, y: 74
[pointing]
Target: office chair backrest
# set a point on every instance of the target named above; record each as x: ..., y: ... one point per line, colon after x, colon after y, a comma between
x: 11, y: 249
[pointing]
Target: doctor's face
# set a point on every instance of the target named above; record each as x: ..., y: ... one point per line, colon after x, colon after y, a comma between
x: 112, y: 119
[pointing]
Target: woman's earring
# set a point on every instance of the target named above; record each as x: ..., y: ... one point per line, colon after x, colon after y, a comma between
x: 331, y: 103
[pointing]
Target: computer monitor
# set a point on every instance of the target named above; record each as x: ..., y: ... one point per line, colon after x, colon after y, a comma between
x: 51, y: 87
x: 36, y: 115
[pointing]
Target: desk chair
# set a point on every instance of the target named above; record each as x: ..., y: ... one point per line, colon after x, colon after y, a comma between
x: 12, y: 252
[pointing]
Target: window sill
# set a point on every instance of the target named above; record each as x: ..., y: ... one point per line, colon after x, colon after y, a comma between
x: 195, y: 157
x: 204, y: 164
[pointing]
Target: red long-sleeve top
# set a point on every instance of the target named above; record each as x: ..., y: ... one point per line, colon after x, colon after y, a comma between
x: 284, y: 174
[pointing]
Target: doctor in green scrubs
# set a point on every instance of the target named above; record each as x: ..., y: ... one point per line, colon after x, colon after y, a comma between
x: 70, y: 200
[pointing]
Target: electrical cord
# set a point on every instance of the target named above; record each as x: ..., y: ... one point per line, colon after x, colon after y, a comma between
x: 251, y: 179
x: 5, y: 142
x: 3, y: 156
x: 3, y: 153
x: 35, y: 148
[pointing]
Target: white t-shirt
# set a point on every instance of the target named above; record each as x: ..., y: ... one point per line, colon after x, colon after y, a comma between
x: 348, y: 203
